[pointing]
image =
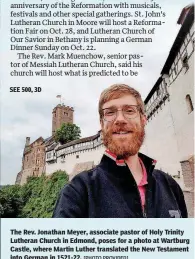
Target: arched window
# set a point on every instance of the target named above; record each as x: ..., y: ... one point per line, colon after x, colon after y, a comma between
x: 189, y: 104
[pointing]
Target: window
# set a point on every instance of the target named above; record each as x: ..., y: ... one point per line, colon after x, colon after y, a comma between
x: 170, y: 73
x: 188, y: 36
x: 175, y: 69
x: 189, y: 104
x: 185, y: 61
x: 63, y: 159
x: 193, y: 42
x: 158, y: 91
x: 49, y: 155
x: 186, y: 40
x: 176, y: 58
x: 182, y: 47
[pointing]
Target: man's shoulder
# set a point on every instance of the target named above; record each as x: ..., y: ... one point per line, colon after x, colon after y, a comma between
x: 86, y: 176
x: 79, y: 183
x: 164, y: 177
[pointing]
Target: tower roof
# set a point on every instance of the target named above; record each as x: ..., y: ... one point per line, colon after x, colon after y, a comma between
x: 62, y: 106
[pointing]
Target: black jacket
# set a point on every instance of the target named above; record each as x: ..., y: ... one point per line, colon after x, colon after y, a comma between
x: 110, y: 191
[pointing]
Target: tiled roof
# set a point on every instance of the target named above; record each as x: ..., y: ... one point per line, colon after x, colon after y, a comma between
x: 52, y: 147
x: 189, y: 19
x: 78, y: 141
x: 158, y: 82
x: 48, y: 141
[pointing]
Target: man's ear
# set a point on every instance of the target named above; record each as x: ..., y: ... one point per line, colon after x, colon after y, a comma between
x: 144, y: 119
x: 101, y: 123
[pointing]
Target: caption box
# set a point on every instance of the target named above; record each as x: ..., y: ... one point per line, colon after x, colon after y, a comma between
x: 102, y: 238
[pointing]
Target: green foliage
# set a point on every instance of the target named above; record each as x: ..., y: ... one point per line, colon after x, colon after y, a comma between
x: 67, y: 132
x: 35, y: 199
x: 10, y: 201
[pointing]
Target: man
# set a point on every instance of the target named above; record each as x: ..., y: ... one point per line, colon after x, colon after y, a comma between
x: 125, y: 183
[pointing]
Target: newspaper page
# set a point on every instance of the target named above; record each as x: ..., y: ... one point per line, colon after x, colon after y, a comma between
x: 97, y: 129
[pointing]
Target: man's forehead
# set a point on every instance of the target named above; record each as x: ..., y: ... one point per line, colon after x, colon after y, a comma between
x: 120, y: 101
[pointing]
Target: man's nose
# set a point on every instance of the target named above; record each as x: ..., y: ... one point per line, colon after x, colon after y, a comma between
x: 120, y: 116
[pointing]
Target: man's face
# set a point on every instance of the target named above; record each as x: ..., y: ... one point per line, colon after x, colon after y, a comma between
x: 123, y: 136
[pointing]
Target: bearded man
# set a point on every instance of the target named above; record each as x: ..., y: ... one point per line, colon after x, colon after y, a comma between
x: 125, y: 183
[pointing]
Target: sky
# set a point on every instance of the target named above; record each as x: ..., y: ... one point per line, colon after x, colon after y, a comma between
x: 30, y: 115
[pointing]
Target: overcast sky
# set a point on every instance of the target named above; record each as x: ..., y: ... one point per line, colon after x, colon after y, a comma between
x: 24, y: 114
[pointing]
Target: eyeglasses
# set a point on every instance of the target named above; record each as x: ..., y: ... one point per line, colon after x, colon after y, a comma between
x: 129, y: 112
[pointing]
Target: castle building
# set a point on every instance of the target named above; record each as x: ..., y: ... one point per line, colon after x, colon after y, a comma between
x: 170, y: 110
x: 75, y: 156
x: 33, y: 160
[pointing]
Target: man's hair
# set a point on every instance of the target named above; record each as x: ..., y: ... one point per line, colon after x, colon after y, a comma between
x: 116, y: 91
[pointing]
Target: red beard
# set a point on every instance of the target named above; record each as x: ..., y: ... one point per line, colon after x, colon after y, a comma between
x: 124, y: 145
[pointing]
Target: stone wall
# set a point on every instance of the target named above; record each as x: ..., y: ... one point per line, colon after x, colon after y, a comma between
x: 33, y: 160
x: 188, y: 176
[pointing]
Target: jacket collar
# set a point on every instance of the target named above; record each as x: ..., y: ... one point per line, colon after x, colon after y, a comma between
x: 117, y: 166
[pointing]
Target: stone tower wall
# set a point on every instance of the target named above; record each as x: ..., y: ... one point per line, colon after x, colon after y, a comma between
x: 61, y: 114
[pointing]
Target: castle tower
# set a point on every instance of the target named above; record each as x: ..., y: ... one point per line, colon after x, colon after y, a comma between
x: 61, y: 114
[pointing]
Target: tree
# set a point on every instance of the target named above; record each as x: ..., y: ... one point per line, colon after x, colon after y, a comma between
x: 11, y: 202
x: 67, y: 132
x: 41, y: 194
x: 35, y: 199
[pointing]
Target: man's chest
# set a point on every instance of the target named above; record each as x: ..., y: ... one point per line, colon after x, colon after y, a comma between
x: 110, y: 198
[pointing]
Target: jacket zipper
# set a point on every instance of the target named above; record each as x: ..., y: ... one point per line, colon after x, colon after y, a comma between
x: 144, y: 215
x: 142, y: 208
x: 144, y: 212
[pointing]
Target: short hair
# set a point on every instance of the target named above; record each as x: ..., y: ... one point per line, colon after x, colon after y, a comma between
x: 116, y: 91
